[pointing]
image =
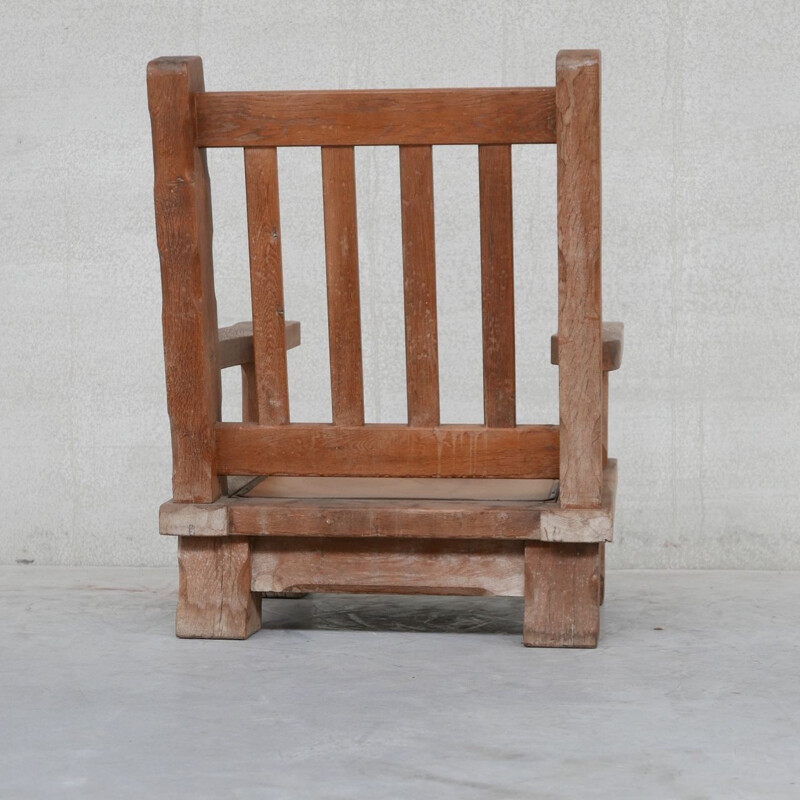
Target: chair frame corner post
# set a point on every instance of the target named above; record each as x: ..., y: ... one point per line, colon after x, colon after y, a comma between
x: 563, y: 581
x: 194, y: 395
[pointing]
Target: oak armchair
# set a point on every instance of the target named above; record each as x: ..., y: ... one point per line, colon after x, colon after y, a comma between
x: 494, y: 509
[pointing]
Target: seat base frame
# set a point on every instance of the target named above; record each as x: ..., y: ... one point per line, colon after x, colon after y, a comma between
x: 298, y: 545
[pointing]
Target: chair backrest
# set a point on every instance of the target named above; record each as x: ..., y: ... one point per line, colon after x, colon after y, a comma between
x: 186, y: 120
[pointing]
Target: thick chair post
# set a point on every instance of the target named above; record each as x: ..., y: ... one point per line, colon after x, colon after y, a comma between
x: 214, y: 600
x: 562, y: 583
x: 184, y: 229
x: 562, y: 594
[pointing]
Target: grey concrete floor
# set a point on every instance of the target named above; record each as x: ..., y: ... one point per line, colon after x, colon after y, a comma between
x: 693, y: 693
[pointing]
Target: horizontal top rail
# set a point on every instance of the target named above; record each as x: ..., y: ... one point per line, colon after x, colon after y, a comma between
x: 379, y: 117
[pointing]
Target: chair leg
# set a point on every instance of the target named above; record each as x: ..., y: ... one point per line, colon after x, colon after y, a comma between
x: 601, y: 584
x: 215, y: 601
x: 562, y: 594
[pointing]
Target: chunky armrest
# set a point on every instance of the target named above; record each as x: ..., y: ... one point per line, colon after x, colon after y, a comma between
x: 613, y: 337
x: 236, y: 342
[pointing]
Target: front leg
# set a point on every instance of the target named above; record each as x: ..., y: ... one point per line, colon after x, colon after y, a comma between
x: 562, y: 594
x: 215, y: 601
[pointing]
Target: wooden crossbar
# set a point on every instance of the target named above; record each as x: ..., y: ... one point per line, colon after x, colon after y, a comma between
x: 448, y: 451
x: 388, y: 117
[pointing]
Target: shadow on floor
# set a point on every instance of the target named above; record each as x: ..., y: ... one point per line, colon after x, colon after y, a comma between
x: 418, y: 613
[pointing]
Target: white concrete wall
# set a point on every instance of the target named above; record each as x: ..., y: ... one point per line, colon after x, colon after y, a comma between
x: 702, y: 160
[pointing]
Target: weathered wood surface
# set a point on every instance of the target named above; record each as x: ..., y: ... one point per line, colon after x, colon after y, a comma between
x: 408, y: 566
x: 344, y: 308
x: 613, y: 341
x: 364, y: 518
x: 405, y: 488
x: 457, y: 451
x: 419, y: 285
x: 193, y: 519
x: 559, y: 524
x: 579, y: 278
x: 184, y: 229
x: 562, y: 595
x: 236, y: 343
x: 249, y: 394
x: 291, y: 509
x: 215, y: 600
x: 266, y: 284
x: 601, y: 584
x: 302, y: 507
x: 605, y: 420
x: 384, y: 117
x: 497, y: 286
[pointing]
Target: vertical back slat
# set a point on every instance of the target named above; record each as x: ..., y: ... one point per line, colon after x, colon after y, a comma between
x: 266, y: 282
x: 580, y: 349
x: 497, y: 282
x: 183, y: 226
x: 419, y: 282
x: 344, y: 309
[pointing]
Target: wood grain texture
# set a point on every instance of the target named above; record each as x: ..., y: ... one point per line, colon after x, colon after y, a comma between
x: 419, y: 285
x: 613, y: 341
x: 497, y: 286
x: 193, y: 519
x: 266, y: 283
x: 404, y: 488
x: 249, y: 394
x: 290, y: 507
x: 428, y: 519
x: 408, y: 566
x: 457, y: 451
x: 236, y: 343
x: 344, y: 307
x: 562, y: 595
x: 559, y: 524
x: 214, y: 599
x: 601, y: 583
x: 605, y: 419
x: 385, y: 117
x: 184, y: 230
x: 579, y: 277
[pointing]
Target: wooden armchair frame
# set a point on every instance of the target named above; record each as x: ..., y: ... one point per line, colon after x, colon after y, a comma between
x: 234, y: 548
